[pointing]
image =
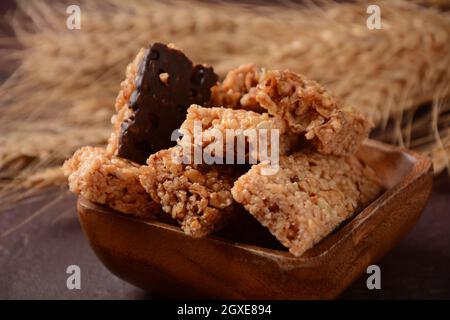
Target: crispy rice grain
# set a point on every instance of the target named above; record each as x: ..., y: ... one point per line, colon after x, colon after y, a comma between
x: 309, y: 196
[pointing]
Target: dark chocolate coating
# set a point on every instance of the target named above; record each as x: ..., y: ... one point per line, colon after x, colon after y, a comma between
x: 160, y: 108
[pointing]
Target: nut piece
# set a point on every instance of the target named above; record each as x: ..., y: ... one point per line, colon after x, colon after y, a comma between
x: 164, y: 78
x: 309, y: 196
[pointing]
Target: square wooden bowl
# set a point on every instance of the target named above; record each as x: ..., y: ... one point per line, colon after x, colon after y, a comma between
x: 159, y: 257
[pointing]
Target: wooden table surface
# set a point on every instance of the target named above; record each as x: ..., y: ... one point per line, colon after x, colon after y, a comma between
x: 34, y: 257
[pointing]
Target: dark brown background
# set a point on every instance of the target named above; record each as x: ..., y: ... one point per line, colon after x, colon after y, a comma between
x: 34, y: 257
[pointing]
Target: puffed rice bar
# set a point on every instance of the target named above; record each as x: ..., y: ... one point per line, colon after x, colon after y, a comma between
x: 121, y: 106
x: 309, y: 196
x: 219, y: 120
x: 99, y: 177
x: 197, y: 196
x: 237, y: 90
x: 307, y: 108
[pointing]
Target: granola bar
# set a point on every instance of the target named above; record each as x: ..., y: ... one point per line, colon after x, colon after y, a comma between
x: 238, y: 89
x: 160, y: 84
x: 197, y: 196
x: 166, y: 84
x: 307, y: 108
x: 220, y: 120
x: 122, y: 105
x: 99, y: 177
x: 309, y: 196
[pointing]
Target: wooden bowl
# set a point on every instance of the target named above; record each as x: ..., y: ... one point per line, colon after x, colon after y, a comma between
x: 157, y: 256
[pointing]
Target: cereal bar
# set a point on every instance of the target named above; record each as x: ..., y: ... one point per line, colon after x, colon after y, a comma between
x: 307, y: 108
x: 99, y: 177
x: 165, y: 85
x: 122, y: 105
x: 220, y: 120
x: 197, y: 196
x: 238, y: 89
x: 309, y: 196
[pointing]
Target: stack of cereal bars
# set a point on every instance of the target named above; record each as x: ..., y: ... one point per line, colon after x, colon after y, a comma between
x: 317, y: 184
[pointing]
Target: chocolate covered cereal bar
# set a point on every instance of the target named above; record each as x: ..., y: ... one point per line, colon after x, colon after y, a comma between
x: 309, y: 196
x: 122, y: 105
x: 161, y: 84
